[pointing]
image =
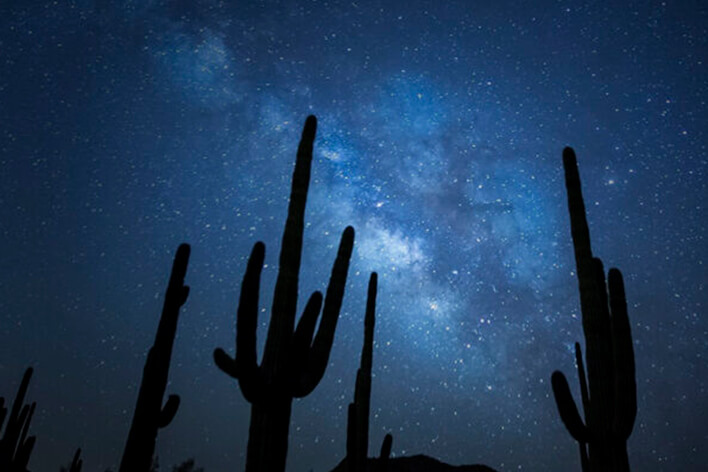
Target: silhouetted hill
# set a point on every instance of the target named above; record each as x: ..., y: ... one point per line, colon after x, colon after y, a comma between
x: 418, y: 463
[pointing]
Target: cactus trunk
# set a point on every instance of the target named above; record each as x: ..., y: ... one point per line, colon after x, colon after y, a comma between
x: 268, y: 435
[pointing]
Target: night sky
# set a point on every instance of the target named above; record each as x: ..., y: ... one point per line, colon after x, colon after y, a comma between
x: 129, y: 127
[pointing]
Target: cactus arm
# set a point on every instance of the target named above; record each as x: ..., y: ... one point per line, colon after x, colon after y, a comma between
x: 567, y: 409
x: 247, y: 315
x: 244, y: 366
x: 305, y: 330
x: 168, y: 411
x: 24, y: 451
x: 583, y: 380
x: 318, y: 357
x: 250, y: 377
x: 386, y: 447
x: 226, y: 363
x: 625, y: 383
x: 26, y: 420
x: 76, y: 462
x: 382, y: 464
x: 11, y: 439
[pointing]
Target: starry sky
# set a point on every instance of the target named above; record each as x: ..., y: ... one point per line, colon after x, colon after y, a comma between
x: 129, y: 127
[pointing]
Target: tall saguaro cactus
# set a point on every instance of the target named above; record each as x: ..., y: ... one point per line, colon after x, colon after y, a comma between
x: 358, y: 413
x: 149, y: 414
x: 295, y: 358
x: 15, y: 446
x: 609, y: 392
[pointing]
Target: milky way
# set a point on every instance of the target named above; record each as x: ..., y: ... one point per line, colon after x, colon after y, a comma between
x: 130, y: 127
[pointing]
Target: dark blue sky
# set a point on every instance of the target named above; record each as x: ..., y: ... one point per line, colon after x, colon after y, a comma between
x: 129, y: 127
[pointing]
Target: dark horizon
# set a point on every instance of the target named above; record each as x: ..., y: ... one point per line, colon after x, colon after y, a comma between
x: 129, y: 128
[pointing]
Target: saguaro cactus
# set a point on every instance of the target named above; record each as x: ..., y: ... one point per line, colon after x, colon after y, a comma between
x: 382, y: 462
x: 293, y: 362
x: 149, y: 414
x: 15, y: 446
x: 609, y: 392
x: 358, y: 412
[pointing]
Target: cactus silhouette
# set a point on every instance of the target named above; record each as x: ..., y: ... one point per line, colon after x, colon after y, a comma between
x: 293, y: 362
x: 609, y: 392
x: 15, y: 446
x: 76, y: 463
x: 382, y: 463
x: 149, y: 414
x: 358, y: 412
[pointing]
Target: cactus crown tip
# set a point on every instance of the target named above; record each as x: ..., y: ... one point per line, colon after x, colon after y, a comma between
x: 259, y: 248
x: 310, y: 128
x: 569, y: 159
x: 557, y: 376
x: 614, y: 272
